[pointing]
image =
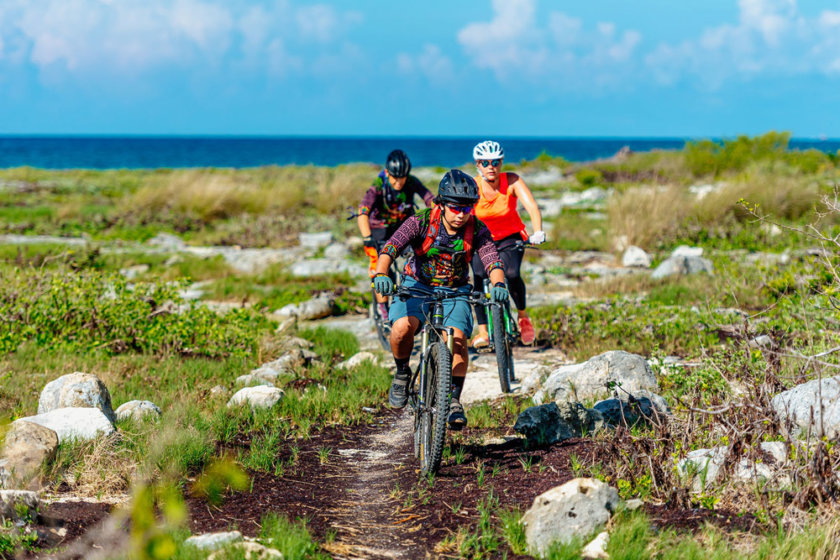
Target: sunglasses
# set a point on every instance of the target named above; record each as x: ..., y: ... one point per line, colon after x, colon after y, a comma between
x: 486, y: 162
x: 460, y: 209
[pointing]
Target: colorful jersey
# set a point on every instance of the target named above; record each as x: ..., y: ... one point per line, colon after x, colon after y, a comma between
x: 388, y: 207
x: 446, y: 263
x: 499, y: 212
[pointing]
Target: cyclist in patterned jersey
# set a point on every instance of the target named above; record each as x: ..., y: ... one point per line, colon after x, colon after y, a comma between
x: 444, y: 240
x: 498, y: 194
x: 386, y: 205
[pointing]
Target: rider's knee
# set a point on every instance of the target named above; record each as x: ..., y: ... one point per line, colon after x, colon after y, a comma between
x: 404, y: 327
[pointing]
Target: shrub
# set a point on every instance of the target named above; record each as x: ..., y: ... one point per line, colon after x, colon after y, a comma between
x: 95, y: 311
x: 589, y: 177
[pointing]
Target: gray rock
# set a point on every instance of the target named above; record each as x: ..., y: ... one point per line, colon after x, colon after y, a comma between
x: 214, y: 541
x: 618, y: 412
x: 762, y: 341
x: 588, y: 381
x: 321, y: 267
x: 138, y: 410
x: 703, y: 466
x: 74, y: 423
x: 682, y: 265
x: 295, y: 357
x: 317, y: 308
x: 358, y: 359
x: 686, y: 251
x: 815, y: 399
x: 635, y: 256
x: 315, y: 240
x: 25, y: 449
x: 253, y: 380
x: 12, y: 502
x: 574, y: 510
x: 551, y: 423
x: 167, y: 242
x: 534, y: 380
x: 218, y: 391
x: 336, y: 251
x: 76, y: 390
x: 258, y: 397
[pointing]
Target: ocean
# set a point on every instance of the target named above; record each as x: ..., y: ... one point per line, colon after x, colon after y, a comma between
x: 109, y: 152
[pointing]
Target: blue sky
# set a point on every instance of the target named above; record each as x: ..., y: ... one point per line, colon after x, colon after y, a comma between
x: 466, y: 67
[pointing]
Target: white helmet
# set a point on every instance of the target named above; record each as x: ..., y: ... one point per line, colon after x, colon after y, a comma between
x: 488, y: 150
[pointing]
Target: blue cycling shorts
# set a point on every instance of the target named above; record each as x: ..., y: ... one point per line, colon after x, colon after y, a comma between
x: 456, y: 312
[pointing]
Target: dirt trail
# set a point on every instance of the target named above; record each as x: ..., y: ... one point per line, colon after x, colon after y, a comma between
x: 364, y: 520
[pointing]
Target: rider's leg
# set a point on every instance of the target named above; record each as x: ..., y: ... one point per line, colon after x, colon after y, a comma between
x: 402, y: 342
x: 460, y: 359
x: 512, y: 260
x: 479, y: 274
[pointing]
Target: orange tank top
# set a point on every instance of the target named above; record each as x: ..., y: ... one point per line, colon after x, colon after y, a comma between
x: 499, y: 212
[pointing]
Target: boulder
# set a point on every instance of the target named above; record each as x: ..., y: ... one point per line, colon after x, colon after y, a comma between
x: 14, y: 502
x: 257, y: 397
x: 358, y: 359
x: 316, y: 308
x: 218, y: 391
x: 635, y: 256
x: 26, y: 447
x: 336, y: 251
x: 550, y: 423
x: 315, y: 240
x: 618, y: 412
x: 534, y: 379
x: 686, y: 251
x: 74, y: 423
x: 588, y: 381
x: 76, y: 390
x: 296, y: 357
x: 574, y: 510
x: 133, y: 272
x: 138, y: 410
x: 812, y: 407
x: 213, y: 541
x: 703, y: 466
x: 682, y: 265
x: 252, y: 380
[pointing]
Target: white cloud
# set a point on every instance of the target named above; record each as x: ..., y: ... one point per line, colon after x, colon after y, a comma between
x: 431, y: 63
x: 771, y: 37
x: 129, y: 37
x: 557, y: 49
x: 322, y: 23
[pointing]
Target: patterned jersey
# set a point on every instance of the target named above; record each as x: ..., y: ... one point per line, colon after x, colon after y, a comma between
x: 446, y: 263
x: 388, y: 207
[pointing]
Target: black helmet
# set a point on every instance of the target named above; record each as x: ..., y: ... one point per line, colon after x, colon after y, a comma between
x: 398, y: 164
x: 457, y: 187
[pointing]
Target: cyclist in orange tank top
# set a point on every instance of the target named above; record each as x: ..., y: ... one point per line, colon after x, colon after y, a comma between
x: 499, y: 193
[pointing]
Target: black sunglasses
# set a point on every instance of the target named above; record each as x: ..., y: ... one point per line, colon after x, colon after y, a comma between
x: 486, y: 162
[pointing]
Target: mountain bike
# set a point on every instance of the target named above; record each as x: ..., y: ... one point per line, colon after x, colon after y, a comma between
x: 430, y: 384
x: 504, y: 330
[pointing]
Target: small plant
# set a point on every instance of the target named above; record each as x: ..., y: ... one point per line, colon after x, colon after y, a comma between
x: 324, y: 454
x: 526, y: 462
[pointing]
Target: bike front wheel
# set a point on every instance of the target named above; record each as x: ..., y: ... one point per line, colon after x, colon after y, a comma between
x: 383, y: 326
x: 434, y: 410
x: 503, y: 348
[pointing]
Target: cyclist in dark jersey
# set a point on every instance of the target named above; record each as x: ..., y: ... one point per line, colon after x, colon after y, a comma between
x: 444, y: 239
x: 386, y: 205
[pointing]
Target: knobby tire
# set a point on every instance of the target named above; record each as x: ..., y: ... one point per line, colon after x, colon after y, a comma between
x: 383, y: 329
x: 502, y: 346
x: 434, y: 418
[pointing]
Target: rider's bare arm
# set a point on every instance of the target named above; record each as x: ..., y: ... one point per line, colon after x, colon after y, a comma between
x: 364, y: 224
x: 523, y: 193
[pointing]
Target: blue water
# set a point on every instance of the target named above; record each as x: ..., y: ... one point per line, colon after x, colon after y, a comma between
x: 150, y: 152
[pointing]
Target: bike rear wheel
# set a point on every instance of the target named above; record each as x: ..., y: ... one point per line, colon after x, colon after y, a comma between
x: 503, y: 348
x: 434, y: 412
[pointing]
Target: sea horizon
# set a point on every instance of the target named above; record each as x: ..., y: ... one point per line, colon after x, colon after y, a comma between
x: 150, y: 151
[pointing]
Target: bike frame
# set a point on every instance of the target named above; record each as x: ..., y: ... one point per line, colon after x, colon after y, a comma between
x: 511, y: 329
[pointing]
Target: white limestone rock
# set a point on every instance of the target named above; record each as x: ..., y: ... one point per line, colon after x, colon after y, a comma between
x: 138, y: 410
x: 214, y: 541
x: 74, y: 423
x: 76, y: 390
x: 258, y: 397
